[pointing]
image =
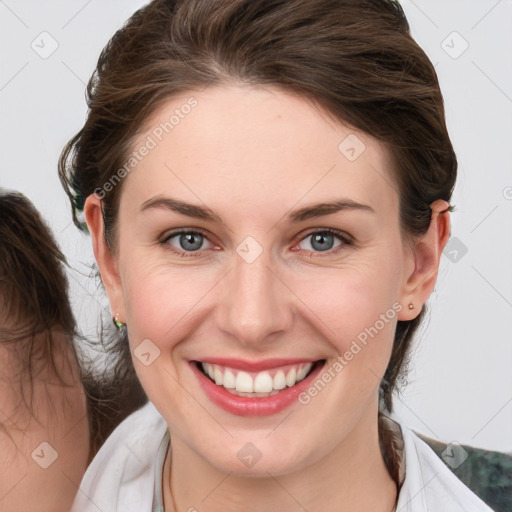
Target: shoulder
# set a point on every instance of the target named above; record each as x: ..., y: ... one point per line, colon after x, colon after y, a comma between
x: 429, y: 484
x: 487, y: 473
x: 123, y: 470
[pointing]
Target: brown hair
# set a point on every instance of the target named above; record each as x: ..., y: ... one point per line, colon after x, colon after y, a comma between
x: 34, y: 309
x: 34, y: 306
x: 33, y: 285
x: 354, y: 58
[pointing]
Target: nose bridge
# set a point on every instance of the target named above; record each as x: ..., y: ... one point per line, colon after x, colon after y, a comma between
x: 255, y: 302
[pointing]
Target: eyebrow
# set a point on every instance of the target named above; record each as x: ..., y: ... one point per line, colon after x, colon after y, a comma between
x: 300, y: 215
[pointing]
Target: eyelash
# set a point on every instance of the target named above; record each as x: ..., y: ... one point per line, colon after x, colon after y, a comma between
x: 342, y: 237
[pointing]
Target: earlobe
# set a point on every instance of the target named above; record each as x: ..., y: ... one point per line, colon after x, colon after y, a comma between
x: 426, y: 255
x: 104, y: 256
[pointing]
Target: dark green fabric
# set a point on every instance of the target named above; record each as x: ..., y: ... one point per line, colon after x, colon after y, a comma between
x: 488, y: 474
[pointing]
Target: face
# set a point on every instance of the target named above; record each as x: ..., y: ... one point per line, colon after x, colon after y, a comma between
x: 226, y: 265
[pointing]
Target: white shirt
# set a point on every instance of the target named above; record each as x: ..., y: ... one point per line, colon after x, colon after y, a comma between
x: 122, y: 476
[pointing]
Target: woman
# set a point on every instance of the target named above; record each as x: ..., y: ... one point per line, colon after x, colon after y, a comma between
x: 267, y: 188
x: 44, y: 428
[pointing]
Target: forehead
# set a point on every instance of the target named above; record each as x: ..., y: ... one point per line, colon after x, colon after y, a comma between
x: 257, y: 144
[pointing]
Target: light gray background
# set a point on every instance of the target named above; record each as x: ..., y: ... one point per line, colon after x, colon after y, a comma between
x: 460, y: 386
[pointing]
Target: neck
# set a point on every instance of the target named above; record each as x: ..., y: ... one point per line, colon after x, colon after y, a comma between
x: 352, y: 478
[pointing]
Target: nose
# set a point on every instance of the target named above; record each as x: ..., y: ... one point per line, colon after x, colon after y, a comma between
x: 255, y: 307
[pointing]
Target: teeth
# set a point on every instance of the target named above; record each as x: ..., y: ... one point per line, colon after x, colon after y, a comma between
x: 244, y: 383
x: 301, y: 374
x: 218, y: 376
x: 263, y: 384
x: 279, y: 380
x: 253, y: 395
x: 229, y: 380
x: 291, y: 377
x: 307, y: 369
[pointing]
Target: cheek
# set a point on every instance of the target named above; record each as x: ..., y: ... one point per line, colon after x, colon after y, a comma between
x: 160, y: 300
x: 160, y: 305
x: 355, y: 308
x: 353, y: 297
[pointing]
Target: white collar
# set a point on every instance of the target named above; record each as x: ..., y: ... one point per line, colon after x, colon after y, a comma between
x: 122, y: 474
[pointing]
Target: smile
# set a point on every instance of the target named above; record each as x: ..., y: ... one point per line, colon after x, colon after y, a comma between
x: 260, y: 384
x: 255, y: 389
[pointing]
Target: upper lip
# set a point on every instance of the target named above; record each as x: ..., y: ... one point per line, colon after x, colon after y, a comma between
x: 255, y: 366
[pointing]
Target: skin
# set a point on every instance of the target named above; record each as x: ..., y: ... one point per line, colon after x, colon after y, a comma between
x: 252, y: 155
x: 53, y: 413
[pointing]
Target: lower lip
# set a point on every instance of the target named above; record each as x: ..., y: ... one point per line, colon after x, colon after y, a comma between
x: 245, y: 406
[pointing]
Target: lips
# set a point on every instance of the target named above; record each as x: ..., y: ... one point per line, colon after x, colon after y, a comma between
x: 255, y: 389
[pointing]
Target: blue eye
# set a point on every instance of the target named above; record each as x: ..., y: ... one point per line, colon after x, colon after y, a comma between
x: 189, y: 242
x: 323, y: 241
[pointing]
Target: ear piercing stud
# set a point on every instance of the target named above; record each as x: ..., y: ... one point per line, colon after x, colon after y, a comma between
x: 119, y: 325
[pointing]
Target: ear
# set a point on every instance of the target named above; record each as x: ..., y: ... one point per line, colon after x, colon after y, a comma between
x: 425, y: 257
x: 105, y: 256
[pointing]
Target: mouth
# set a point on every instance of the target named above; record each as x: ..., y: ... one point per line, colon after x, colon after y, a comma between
x: 255, y: 389
x: 256, y: 384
